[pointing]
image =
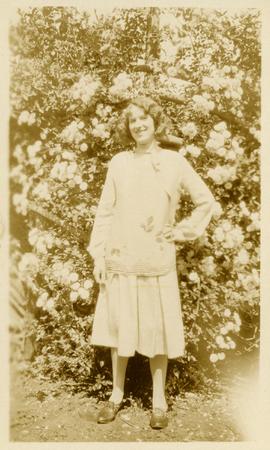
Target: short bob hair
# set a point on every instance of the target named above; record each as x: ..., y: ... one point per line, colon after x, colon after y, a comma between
x: 151, y: 108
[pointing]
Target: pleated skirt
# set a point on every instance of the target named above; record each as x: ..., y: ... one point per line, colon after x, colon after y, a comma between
x: 140, y: 314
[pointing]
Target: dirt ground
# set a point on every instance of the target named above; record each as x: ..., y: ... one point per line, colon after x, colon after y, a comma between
x: 38, y: 414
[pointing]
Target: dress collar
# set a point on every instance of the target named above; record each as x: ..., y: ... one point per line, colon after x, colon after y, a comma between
x: 152, y: 150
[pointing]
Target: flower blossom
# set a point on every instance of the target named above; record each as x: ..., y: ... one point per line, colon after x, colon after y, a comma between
x: 229, y: 235
x: 250, y: 280
x: 40, y: 240
x: 65, y: 171
x: 71, y: 134
x: 99, y: 130
x: 42, y: 191
x: 45, y: 302
x: 203, y: 104
x: 222, y: 174
x: 85, y: 89
x: 121, y: 87
x: 20, y: 201
x: 193, y: 150
x: 208, y: 265
x: 220, y: 80
x: 242, y: 257
x: 194, y: 277
x: 255, y: 222
x: 103, y: 111
x: 29, y: 263
x: 189, y: 129
x: 26, y: 117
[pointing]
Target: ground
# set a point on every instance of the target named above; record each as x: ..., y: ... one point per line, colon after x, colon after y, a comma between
x: 39, y: 414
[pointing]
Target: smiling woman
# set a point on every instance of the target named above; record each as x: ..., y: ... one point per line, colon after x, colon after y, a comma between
x: 141, y: 126
x: 132, y: 244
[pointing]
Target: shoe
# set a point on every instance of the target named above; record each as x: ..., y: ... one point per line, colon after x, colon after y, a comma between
x: 108, y: 412
x: 159, y: 419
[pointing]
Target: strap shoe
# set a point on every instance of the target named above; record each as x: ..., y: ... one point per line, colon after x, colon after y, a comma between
x: 108, y: 412
x: 159, y: 419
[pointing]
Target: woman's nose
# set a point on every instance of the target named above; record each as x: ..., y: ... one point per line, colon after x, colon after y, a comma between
x: 137, y: 123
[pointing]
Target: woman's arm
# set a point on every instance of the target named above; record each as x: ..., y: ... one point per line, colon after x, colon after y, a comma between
x: 103, y: 218
x: 193, y: 226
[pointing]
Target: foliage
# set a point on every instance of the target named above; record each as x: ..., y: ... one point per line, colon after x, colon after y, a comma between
x: 72, y: 72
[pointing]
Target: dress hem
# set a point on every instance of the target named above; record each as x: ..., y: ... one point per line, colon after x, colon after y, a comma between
x: 130, y: 355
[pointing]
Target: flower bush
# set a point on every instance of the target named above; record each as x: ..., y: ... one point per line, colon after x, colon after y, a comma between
x: 72, y: 72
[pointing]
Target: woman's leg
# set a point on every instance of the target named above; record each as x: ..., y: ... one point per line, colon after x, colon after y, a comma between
x: 158, y: 367
x: 119, y: 365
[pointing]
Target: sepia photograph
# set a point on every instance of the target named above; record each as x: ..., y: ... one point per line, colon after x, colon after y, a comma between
x: 134, y: 199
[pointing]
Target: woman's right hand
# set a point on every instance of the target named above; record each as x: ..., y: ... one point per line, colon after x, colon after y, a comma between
x: 99, y: 271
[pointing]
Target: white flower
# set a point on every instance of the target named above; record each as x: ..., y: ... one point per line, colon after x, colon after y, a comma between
x: 219, y: 234
x: 88, y: 284
x: 73, y: 296
x: 189, y: 129
x: 221, y: 151
x: 83, y: 186
x: 33, y: 149
x: 29, y: 263
x: 217, y: 210
x: 31, y: 119
x: 75, y: 286
x: 83, y: 147
x: 224, y: 330
x: 201, y: 104
x: 73, y: 277
x: 71, y: 133
x: 237, y: 318
x: 194, y: 277
x: 230, y: 325
x: 121, y: 87
x: 221, y: 356
x: 23, y: 117
x: 42, y: 191
x: 68, y: 155
x: 242, y: 257
x: 220, y: 341
x: 255, y: 222
x: 213, y: 357
x: 42, y: 299
x: 85, y: 89
x: 33, y: 236
x: 50, y: 304
x: 227, y: 312
x: 77, y: 179
x: 193, y: 150
x: 83, y: 293
x: 208, y: 265
x: 222, y: 174
x: 220, y: 126
x: 231, y: 155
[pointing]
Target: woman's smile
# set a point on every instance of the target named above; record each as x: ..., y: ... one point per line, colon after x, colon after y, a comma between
x: 141, y: 126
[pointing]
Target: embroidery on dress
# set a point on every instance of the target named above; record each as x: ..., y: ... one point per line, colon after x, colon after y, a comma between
x: 115, y: 251
x: 148, y: 225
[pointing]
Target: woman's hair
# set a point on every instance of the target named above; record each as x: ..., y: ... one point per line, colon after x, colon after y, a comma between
x: 151, y: 108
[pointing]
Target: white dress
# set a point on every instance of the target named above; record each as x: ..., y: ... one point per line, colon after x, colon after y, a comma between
x: 138, y: 307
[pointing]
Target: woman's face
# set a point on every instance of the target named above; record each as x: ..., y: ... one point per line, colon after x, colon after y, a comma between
x: 141, y: 126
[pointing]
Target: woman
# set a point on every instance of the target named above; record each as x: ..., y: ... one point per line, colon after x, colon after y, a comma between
x: 133, y: 247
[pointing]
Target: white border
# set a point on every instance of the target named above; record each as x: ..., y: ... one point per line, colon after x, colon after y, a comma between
x: 7, y: 11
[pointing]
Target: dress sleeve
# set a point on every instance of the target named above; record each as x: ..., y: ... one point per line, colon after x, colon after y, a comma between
x: 193, y: 226
x: 103, y: 218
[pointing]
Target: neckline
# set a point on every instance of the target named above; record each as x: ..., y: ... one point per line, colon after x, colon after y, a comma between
x: 152, y: 150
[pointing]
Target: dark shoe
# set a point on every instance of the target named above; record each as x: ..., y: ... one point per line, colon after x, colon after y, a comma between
x: 159, y: 419
x: 108, y: 412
